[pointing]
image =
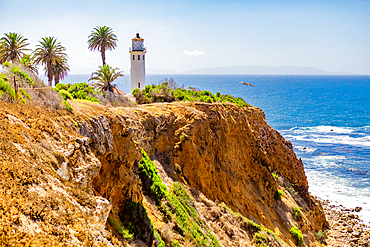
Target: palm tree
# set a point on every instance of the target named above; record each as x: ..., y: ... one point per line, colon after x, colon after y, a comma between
x: 60, y: 69
x: 46, y: 53
x: 102, y: 39
x: 12, y: 47
x: 104, y: 77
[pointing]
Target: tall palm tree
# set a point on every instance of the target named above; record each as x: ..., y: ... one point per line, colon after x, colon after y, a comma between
x: 102, y: 39
x: 46, y: 53
x: 104, y: 77
x: 60, y: 69
x: 12, y: 47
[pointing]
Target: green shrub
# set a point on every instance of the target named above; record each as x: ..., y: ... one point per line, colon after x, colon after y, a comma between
x: 296, y: 235
x: 4, y: 86
x: 65, y: 94
x: 260, y: 239
x: 164, y: 93
x: 80, y: 90
x: 321, y: 236
x: 61, y: 86
x: 68, y: 107
x: 120, y: 229
x: 22, y: 75
x: 278, y: 194
x: 6, y: 64
x: 275, y: 176
x: 25, y: 94
x: 297, y: 212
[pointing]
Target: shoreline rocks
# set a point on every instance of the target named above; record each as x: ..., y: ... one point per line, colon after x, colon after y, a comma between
x: 345, y: 227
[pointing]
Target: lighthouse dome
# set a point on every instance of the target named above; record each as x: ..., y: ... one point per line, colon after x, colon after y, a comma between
x: 137, y: 43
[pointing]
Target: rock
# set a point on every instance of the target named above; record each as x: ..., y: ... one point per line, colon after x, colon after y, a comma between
x: 358, y: 209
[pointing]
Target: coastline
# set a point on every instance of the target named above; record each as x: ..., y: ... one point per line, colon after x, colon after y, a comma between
x: 346, y: 229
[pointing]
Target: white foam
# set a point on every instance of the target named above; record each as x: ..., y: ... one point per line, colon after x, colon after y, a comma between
x: 342, y: 139
x: 336, y: 189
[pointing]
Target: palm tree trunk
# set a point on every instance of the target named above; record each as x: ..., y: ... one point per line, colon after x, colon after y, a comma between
x: 103, y: 55
x: 56, y: 79
x: 50, y: 74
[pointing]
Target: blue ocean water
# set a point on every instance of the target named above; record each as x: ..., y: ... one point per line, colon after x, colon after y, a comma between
x: 327, y: 118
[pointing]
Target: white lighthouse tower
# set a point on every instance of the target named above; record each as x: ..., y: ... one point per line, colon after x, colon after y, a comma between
x: 137, y: 52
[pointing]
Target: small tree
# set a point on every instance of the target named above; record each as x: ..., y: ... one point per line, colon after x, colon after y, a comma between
x: 104, y: 77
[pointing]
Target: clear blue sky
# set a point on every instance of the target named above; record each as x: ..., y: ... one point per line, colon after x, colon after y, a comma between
x: 185, y: 35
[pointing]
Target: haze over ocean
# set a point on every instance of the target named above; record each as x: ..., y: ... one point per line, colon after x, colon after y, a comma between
x: 327, y: 118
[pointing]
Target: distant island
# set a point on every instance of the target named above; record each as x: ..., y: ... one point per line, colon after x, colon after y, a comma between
x: 265, y: 70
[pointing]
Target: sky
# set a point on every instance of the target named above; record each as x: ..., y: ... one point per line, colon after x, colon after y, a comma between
x: 183, y: 35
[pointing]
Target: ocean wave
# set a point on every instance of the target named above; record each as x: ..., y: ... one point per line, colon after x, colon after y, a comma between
x: 330, y: 139
x: 324, y: 161
x: 323, y: 129
x: 327, y: 129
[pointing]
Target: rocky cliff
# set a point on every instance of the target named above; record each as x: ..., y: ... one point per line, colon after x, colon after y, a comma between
x: 64, y: 174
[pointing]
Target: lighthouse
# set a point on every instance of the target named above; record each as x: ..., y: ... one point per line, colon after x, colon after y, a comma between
x: 137, y: 54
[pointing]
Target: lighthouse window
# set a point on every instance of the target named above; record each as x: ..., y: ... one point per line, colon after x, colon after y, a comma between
x: 138, y: 85
x: 138, y: 57
x: 133, y: 57
x: 143, y: 57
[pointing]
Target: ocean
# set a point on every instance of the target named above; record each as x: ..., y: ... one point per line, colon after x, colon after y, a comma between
x: 327, y: 119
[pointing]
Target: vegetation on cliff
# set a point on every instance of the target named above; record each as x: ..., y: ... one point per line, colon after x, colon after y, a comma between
x: 167, y: 92
x: 78, y: 91
x: 176, y: 205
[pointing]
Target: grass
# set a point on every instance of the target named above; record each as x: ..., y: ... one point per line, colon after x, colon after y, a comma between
x: 321, y: 236
x: 260, y: 239
x: 180, y: 205
x: 297, y: 212
x: 278, y: 194
x: 125, y: 233
x: 252, y: 226
x: 175, y: 243
x: 275, y: 175
x: 68, y: 107
x: 296, y: 235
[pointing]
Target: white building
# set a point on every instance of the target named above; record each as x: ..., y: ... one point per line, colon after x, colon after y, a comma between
x: 137, y: 71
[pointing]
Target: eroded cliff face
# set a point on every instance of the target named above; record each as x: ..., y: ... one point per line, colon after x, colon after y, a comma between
x: 221, y: 152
